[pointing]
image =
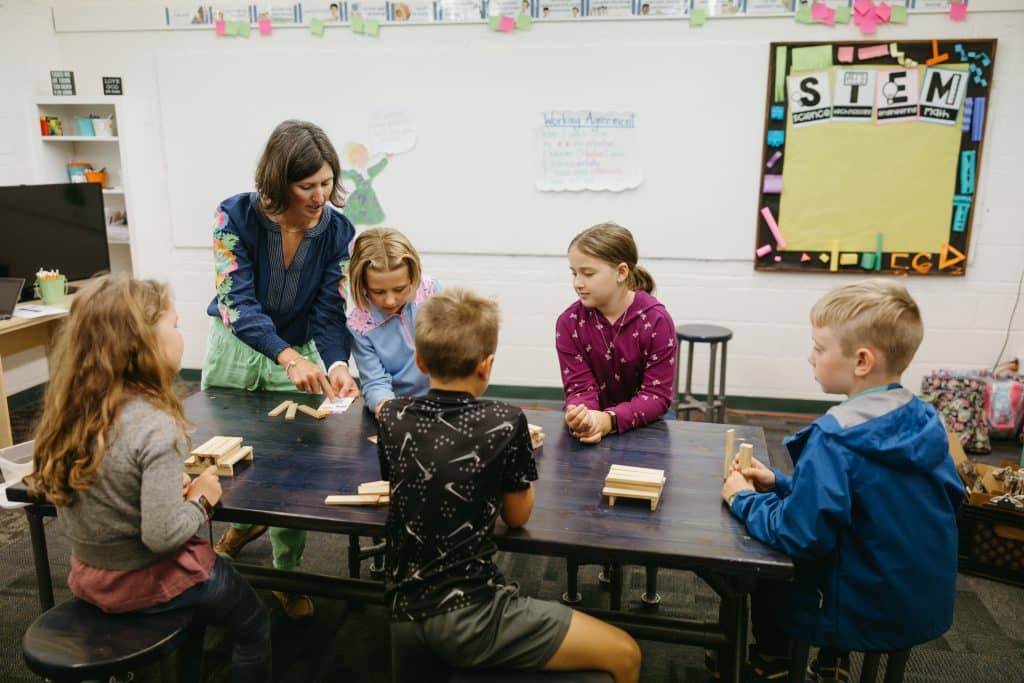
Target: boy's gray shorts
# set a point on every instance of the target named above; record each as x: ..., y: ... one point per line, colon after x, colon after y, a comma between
x: 507, y: 632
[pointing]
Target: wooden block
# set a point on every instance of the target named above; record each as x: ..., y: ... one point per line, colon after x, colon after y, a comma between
x: 614, y: 492
x: 281, y: 407
x: 618, y: 469
x: 226, y: 464
x: 536, y: 436
x: 643, y: 483
x: 218, y: 446
x: 290, y: 415
x: 730, y: 445
x: 746, y: 453
x: 377, y: 488
x: 313, y: 412
x: 352, y: 500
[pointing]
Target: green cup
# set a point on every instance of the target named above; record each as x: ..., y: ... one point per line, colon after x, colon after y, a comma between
x: 52, y: 290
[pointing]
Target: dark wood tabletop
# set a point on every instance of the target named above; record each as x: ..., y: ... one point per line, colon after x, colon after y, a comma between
x: 297, y: 464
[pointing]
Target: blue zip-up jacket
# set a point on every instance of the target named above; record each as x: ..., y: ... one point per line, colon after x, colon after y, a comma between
x: 267, y: 306
x: 870, y: 519
x: 383, y: 348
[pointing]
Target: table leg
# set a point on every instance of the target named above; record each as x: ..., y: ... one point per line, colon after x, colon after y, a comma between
x: 6, y: 436
x: 572, y: 596
x: 616, y: 596
x: 41, y: 558
x: 354, y: 560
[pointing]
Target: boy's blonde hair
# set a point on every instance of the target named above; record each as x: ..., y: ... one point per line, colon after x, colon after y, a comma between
x: 383, y: 250
x: 455, y: 330
x: 880, y: 313
x: 108, y: 349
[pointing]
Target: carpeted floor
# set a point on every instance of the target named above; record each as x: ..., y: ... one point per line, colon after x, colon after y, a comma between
x: 345, y: 642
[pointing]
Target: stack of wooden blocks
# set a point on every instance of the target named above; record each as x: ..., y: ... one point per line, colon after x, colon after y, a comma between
x: 536, y: 436
x: 223, y: 451
x: 370, y: 493
x: 643, y: 483
x: 745, y: 453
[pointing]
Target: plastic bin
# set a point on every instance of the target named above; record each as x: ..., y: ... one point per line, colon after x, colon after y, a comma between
x: 15, y: 463
x: 85, y: 128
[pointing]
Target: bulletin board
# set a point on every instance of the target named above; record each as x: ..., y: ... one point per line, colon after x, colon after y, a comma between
x: 871, y: 155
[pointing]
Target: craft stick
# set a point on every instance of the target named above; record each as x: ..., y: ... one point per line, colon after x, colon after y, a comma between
x: 290, y: 415
x: 352, y: 500
x: 746, y: 454
x: 313, y: 412
x: 730, y: 440
x: 281, y: 407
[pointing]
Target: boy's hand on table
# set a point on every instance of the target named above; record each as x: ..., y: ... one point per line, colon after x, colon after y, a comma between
x: 763, y: 478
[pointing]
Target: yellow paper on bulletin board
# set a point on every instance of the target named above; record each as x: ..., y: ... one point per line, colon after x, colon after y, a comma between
x: 850, y: 181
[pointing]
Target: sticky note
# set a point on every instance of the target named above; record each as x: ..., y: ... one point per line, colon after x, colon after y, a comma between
x: 824, y: 14
x: 814, y: 58
x: 781, y: 54
x: 220, y: 27
x: 776, y: 138
x: 524, y: 22
x: 232, y: 28
x: 845, y: 55
x: 697, y: 17
x: 777, y: 112
x: 863, y: 6
x: 769, y: 219
x: 763, y: 250
x: 494, y: 23
x: 867, y: 26
x: 898, y: 15
x: 372, y: 27
x: 774, y: 158
x: 772, y: 184
x: 867, y: 260
x: 805, y: 257
x: 507, y: 24
x: 843, y: 14
x: 316, y: 26
x: 244, y: 29
x: 803, y: 15
x: 265, y: 27
x: 873, y: 52
x: 957, y: 11
x: 357, y: 23
x: 883, y: 12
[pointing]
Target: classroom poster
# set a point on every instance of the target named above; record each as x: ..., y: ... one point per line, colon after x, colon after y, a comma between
x: 611, y: 8
x: 718, y: 8
x: 854, y: 97
x: 326, y: 11
x: 770, y: 7
x: 662, y: 8
x: 234, y: 12
x: 460, y: 10
x: 188, y: 15
x: 507, y: 8
x: 392, y: 130
x: 561, y: 9
x: 413, y: 10
x: 587, y: 150
x: 369, y: 9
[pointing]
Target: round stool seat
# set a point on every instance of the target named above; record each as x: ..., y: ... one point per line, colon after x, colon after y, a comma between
x: 76, y: 641
x: 498, y: 676
x: 703, y: 334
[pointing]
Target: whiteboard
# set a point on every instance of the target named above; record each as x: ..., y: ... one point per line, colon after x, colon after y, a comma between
x: 468, y: 186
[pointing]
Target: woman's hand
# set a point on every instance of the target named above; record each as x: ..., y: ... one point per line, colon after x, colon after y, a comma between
x: 763, y: 478
x: 205, y: 484
x: 342, y: 383
x: 308, y: 377
x: 589, y: 426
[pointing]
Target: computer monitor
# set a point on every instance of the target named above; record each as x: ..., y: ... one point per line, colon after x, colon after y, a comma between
x: 53, y: 227
x: 10, y: 290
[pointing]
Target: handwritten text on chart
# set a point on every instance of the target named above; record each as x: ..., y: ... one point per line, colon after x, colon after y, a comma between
x: 587, y: 150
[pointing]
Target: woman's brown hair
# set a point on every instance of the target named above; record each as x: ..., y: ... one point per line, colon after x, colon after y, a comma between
x: 294, y: 151
x: 614, y: 244
x: 107, y: 349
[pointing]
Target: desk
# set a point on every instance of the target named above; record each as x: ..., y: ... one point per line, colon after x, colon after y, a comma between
x: 20, y: 334
x: 298, y: 463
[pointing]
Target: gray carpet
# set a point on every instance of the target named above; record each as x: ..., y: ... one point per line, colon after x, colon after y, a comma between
x: 349, y: 643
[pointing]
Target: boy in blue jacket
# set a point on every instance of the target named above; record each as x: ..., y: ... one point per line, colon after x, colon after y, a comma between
x: 869, y: 515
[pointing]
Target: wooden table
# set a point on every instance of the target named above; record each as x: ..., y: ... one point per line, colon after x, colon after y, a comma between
x: 298, y: 463
x: 20, y: 334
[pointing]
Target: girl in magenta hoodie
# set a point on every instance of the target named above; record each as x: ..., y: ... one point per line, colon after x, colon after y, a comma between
x: 617, y: 344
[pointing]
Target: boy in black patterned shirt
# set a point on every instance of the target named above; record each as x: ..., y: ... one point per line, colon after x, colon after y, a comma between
x: 455, y: 463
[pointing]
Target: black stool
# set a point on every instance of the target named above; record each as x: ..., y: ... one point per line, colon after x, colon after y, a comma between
x: 75, y: 641
x: 714, y: 407
x: 497, y: 676
x: 896, y: 664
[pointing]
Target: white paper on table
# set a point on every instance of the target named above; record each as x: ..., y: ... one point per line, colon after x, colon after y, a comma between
x: 392, y: 130
x: 37, y: 311
x: 336, y: 406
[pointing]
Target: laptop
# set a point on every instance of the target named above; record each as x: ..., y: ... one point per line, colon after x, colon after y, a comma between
x: 10, y: 292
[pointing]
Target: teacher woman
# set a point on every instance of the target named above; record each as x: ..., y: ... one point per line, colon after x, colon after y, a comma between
x: 278, y: 318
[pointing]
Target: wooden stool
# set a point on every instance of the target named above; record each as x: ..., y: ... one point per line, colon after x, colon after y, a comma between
x: 75, y: 641
x: 498, y: 676
x: 896, y: 664
x: 714, y: 407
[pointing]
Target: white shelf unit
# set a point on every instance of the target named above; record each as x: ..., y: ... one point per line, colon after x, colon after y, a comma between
x: 55, y: 152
